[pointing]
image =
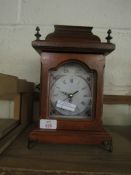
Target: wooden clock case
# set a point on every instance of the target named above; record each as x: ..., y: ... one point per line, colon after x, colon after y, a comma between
x: 77, y: 44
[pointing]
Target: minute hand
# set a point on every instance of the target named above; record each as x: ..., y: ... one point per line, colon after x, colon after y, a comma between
x: 70, y: 96
x: 74, y: 93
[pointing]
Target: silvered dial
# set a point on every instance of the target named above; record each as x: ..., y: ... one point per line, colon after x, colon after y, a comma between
x: 70, y: 86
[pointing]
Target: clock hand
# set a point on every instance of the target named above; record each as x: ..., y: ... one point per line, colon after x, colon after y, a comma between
x: 69, y: 95
x: 72, y: 94
x: 66, y: 98
x: 75, y: 92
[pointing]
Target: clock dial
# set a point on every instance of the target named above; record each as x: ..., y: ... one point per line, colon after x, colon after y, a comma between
x: 71, y: 92
x: 70, y: 89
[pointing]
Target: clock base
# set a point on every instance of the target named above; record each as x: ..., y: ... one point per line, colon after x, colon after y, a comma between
x: 71, y: 137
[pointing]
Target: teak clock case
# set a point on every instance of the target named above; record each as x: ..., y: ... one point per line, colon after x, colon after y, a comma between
x: 80, y: 45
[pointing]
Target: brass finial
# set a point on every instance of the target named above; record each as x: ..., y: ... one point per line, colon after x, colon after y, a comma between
x: 37, y: 35
x: 109, y: 37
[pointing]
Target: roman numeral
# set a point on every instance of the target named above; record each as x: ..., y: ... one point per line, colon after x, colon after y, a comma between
x: 83, y: 103
x: 64, y: 82
x: 57, y: 87
x: 71, y: 80
x: 55, y: 95
x: 83, y: 88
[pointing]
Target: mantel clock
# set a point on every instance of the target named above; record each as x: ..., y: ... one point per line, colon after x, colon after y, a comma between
x: 71, y: 86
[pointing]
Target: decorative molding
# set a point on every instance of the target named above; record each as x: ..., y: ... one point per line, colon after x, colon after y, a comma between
x: 117, y: 99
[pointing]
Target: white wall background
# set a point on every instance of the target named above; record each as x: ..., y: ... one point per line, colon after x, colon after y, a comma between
x: 18, y: 19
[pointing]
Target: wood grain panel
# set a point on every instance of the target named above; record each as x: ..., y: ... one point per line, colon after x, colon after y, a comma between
x: 117, y: 99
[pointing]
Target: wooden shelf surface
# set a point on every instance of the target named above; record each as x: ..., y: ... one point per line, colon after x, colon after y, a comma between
x: 54, y: 159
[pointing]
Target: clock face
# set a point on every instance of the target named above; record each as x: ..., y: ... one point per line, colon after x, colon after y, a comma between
x: 71, y: 91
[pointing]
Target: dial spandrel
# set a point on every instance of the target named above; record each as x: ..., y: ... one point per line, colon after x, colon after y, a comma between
x: 71, y: 85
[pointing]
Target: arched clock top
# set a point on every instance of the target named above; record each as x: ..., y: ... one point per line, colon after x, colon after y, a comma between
x: 52, y: 60
x: 75, y: 63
